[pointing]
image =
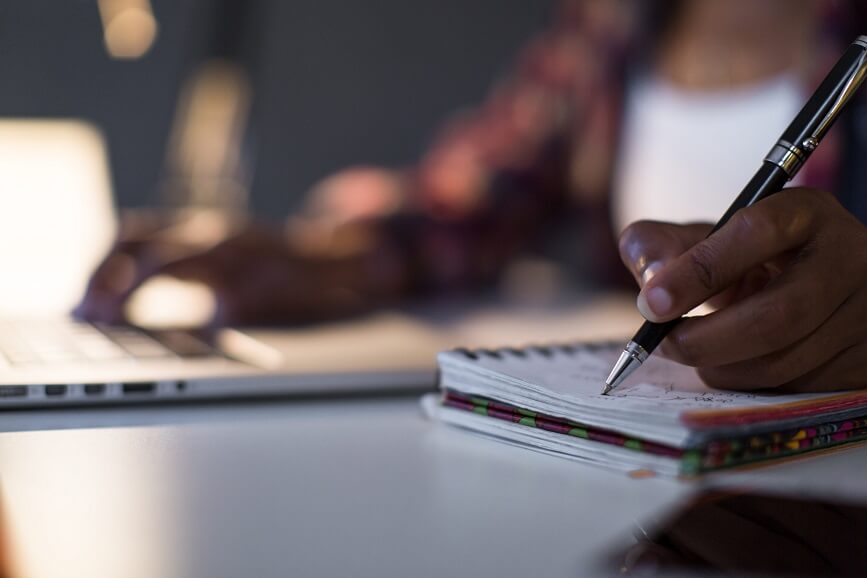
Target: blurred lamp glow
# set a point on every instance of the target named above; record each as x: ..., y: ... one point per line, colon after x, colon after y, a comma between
x: 129, y: 27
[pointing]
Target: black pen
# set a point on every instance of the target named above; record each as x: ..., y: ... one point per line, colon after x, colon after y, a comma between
x: 781, y: 165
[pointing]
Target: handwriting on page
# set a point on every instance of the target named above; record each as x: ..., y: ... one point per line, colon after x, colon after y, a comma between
x: 658, y: 380
x: 669, y: 393
x: 664, y: 380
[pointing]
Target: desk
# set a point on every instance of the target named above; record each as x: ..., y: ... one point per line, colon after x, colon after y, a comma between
x: 347, y: 488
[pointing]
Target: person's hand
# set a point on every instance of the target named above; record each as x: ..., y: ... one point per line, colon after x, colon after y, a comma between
x: 788, y: 276
x: 257, y: 278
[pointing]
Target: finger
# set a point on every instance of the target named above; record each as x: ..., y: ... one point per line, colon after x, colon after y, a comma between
x: 645, y: 246
x: 845, y: 371
x: 111, y: 281
x: 116, y: 270
x: 753, y: 282
x: 239, y: 271
x: 754, y: 235
x: 788, y: 309
x: 795, y: 363
x: 109, y: 291
x: 126, y: 266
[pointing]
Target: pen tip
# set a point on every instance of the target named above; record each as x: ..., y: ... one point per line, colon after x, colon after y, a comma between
x: 626, y: 364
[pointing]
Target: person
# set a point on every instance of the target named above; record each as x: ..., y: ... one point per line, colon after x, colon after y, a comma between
x: 603, y: 122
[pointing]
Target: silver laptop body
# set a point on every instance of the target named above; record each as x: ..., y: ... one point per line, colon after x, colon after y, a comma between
x: 56, y: 221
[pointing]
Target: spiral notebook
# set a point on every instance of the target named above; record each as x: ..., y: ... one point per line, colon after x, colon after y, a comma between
x: 662, y: 419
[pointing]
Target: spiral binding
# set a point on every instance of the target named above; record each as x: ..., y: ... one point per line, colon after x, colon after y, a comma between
x: 548, y: 350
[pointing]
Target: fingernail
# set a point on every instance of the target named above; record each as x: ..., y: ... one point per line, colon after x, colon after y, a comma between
x: 654, y: 303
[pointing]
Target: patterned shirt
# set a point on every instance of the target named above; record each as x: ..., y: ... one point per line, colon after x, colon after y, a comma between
x: 537, y: 158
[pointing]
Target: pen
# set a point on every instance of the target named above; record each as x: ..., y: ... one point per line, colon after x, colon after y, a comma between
x: 781, y: 164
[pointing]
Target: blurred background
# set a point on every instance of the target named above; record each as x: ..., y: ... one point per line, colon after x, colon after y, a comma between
x: 304, y: 87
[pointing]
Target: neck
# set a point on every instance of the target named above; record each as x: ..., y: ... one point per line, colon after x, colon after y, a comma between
x: 718, y: 45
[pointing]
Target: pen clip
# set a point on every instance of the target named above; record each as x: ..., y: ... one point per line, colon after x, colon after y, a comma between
x: 855, y: 80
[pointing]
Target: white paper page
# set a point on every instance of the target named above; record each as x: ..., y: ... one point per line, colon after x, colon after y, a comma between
x: 660, y: 384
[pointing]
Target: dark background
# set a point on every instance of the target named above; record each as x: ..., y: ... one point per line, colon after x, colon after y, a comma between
x: 336, y: 82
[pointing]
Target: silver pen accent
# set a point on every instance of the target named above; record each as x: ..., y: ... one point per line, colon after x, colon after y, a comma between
x: 630, y: 360
x: 790, y: 157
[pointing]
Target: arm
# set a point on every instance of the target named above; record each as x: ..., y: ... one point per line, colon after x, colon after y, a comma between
x: 490, y: 183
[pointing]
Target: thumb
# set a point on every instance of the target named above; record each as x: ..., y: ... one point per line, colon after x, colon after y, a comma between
x: 646, y: 246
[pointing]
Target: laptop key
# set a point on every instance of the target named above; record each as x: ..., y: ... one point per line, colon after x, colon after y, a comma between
x: 136, y: 343
x: 144, y: 348
x: 73, y: 342
x: 184, y: 344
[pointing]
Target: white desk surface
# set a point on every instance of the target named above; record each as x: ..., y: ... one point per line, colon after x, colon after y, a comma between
x: 337, y: 488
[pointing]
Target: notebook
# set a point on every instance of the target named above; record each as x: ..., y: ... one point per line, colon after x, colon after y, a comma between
x: 662, y: 419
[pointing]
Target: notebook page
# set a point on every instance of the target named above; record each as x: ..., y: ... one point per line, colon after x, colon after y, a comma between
x: 662, y: 401
x: 659, y: 385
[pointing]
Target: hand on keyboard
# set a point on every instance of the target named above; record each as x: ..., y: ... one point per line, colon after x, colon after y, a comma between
x: 258, y: 278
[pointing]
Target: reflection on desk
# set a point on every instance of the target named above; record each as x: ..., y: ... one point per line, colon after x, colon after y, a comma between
x: 354, y: 487
x: 756, y: 534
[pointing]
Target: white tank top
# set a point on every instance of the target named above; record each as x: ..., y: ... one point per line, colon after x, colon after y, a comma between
x: 685, y: 155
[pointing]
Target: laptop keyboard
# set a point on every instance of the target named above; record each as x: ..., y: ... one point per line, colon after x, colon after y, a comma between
x: 67, y: 342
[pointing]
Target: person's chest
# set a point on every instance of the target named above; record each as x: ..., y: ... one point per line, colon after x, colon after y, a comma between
x: 684, y: 155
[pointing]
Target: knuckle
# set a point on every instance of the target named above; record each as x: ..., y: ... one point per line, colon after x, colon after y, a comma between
x: 702, y: 259
x: 775, y: 227
x: 797, y: 222
x: 803, y: 253
x: 771, y: 322
x: 757, y: 224
x: 685, y: 349
x: 751, y: 221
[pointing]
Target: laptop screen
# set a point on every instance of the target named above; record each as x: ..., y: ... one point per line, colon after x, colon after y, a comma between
x: 56, y: 213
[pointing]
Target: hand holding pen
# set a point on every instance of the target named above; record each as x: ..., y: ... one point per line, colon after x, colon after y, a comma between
x: 790, y: 270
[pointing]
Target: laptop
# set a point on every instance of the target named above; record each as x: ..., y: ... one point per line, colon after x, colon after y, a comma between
x: 57, y: 220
